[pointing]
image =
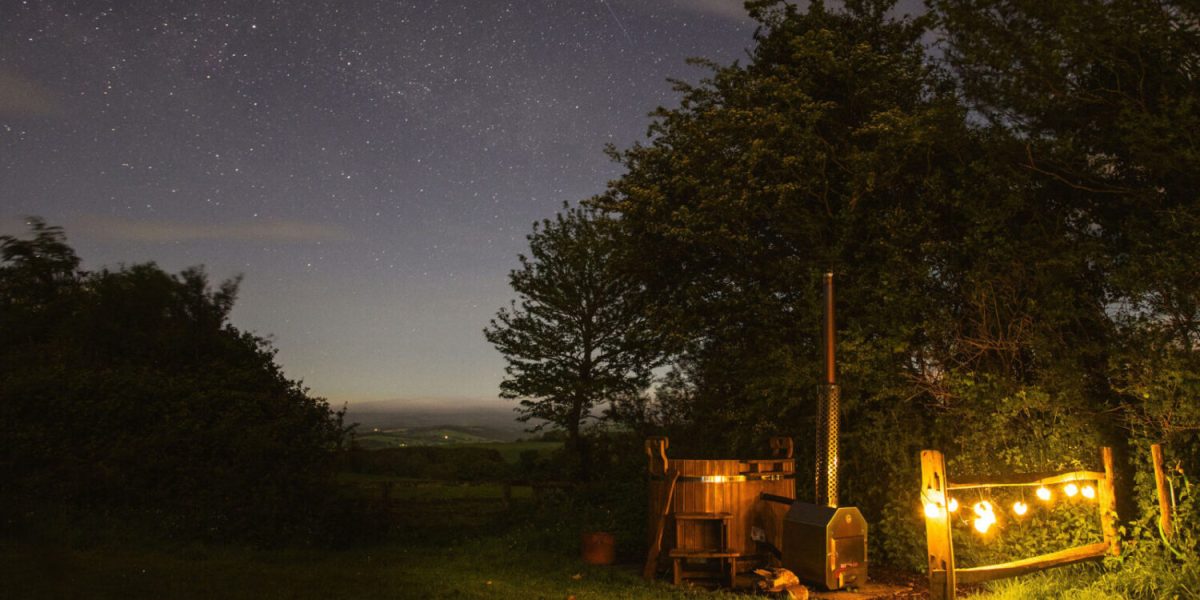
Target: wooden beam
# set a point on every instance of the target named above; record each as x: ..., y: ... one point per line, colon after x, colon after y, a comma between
x: 1028, y: 480
x: 1029, y: 565
x: 1164, y: 497
x: 1107, y: 503
x: 938, y: 539
x: 650, y: 568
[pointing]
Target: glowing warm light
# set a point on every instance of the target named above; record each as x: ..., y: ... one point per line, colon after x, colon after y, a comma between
x: 984, y: 516
x: 1043, y: 494
x: 1070, y: 490
x: 932, y: 510
x: 953, y: 505
x: 1020, y: 508
x: 1088, y: 492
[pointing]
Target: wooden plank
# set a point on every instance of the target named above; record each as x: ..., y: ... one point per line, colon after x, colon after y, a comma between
x: 703, y: 553
x: 651, y: 566
x: 937, y: 528
x: 716, y: 516
x: 1107, y: 503
x: 1029, y: 565
x: 1028, y: 480
x: 1164, y: 497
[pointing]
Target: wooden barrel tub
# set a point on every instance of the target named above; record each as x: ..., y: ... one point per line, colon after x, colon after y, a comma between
x: 732, y: 487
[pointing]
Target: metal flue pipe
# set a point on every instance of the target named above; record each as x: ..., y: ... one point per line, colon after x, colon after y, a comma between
x: 827, y: 410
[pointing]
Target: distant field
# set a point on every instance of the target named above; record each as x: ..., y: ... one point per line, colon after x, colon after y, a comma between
x: 450, y: 436
x: 433, y: 436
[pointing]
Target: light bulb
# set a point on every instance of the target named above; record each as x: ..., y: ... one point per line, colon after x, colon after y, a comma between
x: 1088, y: 492
x: 932, y: 510
x: 954, y: 505
x: 983, y: 508
x: 1043, y: 494
x: 985, y: 517
x: 1070, y: 490
x: 1020, y: 508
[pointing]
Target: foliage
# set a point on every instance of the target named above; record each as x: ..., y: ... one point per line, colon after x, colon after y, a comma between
x: 129, y: 390
x: 1011, y: 219
x: 577, y: 336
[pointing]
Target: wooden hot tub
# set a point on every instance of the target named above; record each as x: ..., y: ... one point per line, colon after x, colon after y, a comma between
x: 716, y: 506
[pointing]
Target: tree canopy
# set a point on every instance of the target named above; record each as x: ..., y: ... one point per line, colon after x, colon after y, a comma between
x: 1007, y: 191
x: 129, y: 389
x: 577, y: 337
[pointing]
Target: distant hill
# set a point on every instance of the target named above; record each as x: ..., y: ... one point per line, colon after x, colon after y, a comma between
x: 451, y: 421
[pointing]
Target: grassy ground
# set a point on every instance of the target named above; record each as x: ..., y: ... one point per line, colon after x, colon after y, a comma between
x: 497, y: 567
x: 448, y: 540
x: 444, y: 546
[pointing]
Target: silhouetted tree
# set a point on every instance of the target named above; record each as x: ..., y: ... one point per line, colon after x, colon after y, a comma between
x: 129, y: 389
x: 577, y: 336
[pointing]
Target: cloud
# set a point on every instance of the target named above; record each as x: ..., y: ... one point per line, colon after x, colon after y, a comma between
x: 21, y: 97
x: 177, y: 231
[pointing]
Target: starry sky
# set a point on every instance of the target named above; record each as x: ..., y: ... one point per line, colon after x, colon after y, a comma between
x: 371, y: 166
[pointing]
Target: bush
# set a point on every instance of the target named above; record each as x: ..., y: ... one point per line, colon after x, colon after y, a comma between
x: 128, y: 392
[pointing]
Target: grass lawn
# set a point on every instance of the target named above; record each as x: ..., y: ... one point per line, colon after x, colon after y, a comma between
x: 495, y: 567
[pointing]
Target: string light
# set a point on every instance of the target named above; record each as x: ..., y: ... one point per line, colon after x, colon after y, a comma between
x: 985, y: 517
x: 1088, y: 492
x: 1020, y: 508
x: 953, y: 505
x: 1043, y: 493
x: 932, y: 510
x: 1071, y: 490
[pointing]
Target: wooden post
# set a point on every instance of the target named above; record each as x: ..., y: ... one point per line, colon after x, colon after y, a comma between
x: 656, y: 453
x: 651, y: 565
x: 1108, y: 505
x: 1164, y: 498
x: 937, y: 528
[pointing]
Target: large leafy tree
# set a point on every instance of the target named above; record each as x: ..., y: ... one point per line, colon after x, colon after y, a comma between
x: 835, y: 147
x: 576, y: 337
x: 1000, y: 219
x: 129, y: 390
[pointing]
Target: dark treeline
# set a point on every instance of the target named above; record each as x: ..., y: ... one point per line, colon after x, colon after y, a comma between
x: 127, y: 392
x: 1008, y: 194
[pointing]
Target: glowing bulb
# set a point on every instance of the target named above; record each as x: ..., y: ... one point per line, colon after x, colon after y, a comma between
x: 1043, y: 494
x: 985, y: 517
x: 1070, y: 490
x: 1020, y: 508
x: 982, y: 525
x: 982, y: 508
x: 953, y: 505
x: 1088, y: 492
x: 932, y: 510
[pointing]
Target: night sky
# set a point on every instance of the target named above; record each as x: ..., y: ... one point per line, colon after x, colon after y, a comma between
x: 371, y: 167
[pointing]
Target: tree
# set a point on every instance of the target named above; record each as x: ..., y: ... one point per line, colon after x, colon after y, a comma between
x: 577, y: 336
x: 975, y: 292
x: 129, y: 390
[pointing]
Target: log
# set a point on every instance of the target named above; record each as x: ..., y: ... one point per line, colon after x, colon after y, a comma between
x: 1028, y: 479
x: 1164, y: 497
x: 1029, y: 565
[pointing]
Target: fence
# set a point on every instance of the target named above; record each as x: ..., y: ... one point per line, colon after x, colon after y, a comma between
x: 944, y: 576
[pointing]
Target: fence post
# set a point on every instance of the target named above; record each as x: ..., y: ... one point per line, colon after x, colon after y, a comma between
x: 1164, y: 498
x: 937, y: 527
x: 1108, y: 505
